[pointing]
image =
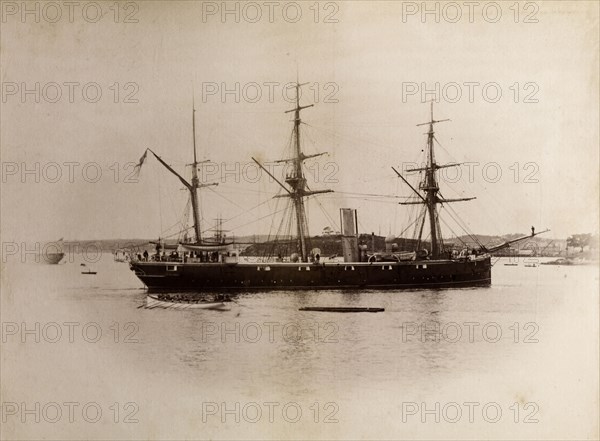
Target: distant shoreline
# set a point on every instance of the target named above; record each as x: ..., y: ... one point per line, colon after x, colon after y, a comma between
x: 331, y: 244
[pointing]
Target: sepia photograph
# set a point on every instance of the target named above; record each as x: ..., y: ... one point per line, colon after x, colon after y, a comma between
x: 299, y: 220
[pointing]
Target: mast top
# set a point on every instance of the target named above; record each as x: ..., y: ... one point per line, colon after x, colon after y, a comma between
x: 432, y: 121
x: 298, y: 107
x: 194, y: 129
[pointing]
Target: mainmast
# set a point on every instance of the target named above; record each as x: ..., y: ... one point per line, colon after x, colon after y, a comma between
x: 295, y: 179
x: 430, y: 186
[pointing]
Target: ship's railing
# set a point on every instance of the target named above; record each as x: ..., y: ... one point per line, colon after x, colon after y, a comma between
x: 122, y: 256
x: 225, y: 257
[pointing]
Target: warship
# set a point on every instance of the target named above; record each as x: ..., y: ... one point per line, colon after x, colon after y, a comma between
x: 55, y: 256
x: 214, y: 265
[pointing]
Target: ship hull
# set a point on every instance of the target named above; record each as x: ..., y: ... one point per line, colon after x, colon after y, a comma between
x: 52, y: 258
x: 199, y: 277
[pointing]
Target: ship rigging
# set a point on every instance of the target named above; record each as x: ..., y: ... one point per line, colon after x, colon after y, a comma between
x: 431, y: 199
x: 297, y: 189
x: 215, y: 265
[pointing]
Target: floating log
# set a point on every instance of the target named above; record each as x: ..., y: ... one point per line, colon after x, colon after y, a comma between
x: 340, y: 309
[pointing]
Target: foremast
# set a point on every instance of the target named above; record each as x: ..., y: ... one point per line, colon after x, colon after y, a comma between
x: 429, y: 185
x: 295, y: 179
x: 433, y: 197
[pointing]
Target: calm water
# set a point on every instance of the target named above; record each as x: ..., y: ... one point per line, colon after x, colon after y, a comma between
x: 179, y: 374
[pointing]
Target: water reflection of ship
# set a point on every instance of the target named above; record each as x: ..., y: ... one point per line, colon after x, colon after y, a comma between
x: 202, y: 264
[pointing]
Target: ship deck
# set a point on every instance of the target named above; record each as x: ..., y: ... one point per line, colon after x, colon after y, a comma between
x: 276, y: 264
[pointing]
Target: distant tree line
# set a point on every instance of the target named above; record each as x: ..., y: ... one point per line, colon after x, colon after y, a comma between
x: 582, y: 240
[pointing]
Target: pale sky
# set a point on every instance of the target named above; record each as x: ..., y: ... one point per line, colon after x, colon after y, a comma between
x: 547, y: 149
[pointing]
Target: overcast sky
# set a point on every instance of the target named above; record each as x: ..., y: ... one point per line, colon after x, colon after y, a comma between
x: 366, y: 64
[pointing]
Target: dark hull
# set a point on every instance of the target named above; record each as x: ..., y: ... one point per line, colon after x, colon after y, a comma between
x: 177, y: 276
x: 52, y: 258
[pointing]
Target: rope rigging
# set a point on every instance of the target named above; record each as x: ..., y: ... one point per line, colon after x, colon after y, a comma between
x: 298, y: 190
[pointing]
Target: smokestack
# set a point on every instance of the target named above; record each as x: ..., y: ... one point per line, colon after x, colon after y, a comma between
x: 349, y: 232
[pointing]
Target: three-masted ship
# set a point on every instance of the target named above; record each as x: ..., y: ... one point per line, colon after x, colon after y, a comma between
x: 214, y: 265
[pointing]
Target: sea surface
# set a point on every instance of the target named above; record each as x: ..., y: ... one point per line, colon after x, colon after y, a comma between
x: 83, y: 359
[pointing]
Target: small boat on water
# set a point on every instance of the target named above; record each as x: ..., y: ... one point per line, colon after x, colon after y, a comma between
x: 168, y: 302
x: 88, y: 271
x: 511, y: 264
x: 341, y: 309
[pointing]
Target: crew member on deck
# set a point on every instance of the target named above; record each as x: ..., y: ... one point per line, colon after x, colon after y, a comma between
x: 532, y: 231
